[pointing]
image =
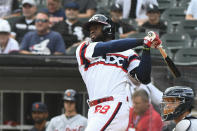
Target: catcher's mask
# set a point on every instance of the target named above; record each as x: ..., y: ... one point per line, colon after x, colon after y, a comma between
x: 176, y: 101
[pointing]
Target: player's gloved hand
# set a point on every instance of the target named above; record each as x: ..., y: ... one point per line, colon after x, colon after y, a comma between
x: 152, y: 40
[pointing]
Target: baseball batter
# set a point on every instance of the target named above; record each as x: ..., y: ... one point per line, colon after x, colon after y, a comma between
x: 70, y: 121
x: 104, y: 65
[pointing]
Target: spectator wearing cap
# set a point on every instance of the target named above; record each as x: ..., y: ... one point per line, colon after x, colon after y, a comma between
x: 43, y: 41
x: 39, y: 116
x: 122, y: 28
x: 56, y: 13
x: 154, y: 23
x: 7, y: 44
x: 71, y: 29
x: 70, y: 120
x: 23, y: 24
x: 87, y: 8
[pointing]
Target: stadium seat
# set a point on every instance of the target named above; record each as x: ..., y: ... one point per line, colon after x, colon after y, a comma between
x: 174, y: 41
x: 84, y: 20
x: 155, y: 53
x: 131, y: 22
x: 195, y: 43
x: 104, y: 6
x: 138, y: 35
x: 165, y: 4
x: 187, y: 56
x: 188, y: 26
x: 174, y: 15
x: 183, y: 3
x: 171, y: 27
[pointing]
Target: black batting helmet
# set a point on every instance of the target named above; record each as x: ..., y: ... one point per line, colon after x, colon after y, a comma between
x: 69, y: 95
x: 108, y: 28
x: 176, y: 101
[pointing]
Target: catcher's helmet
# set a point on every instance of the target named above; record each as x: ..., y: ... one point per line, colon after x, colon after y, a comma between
x: 69, y: 95
x: 176, y: 101
x: 108, y: 28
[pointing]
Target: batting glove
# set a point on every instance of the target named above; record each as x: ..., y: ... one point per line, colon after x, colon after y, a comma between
x: 152, y: 40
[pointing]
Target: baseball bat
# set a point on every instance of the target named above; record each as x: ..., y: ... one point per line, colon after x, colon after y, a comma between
x: 175, y: 72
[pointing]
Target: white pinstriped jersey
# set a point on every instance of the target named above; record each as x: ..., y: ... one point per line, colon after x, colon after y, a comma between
x: 105, y: 75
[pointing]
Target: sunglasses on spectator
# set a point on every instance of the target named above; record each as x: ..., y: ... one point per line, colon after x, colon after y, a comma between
x: 41, y: 20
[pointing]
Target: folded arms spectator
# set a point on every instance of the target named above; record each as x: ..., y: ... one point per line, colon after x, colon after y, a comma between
x: 71, y: 29
x: 23, y: 24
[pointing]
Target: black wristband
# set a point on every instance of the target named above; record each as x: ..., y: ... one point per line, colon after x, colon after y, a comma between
x: 146, y: 48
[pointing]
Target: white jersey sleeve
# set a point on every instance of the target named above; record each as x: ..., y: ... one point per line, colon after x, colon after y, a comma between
x: 155, y: 94
x: 133, y: 60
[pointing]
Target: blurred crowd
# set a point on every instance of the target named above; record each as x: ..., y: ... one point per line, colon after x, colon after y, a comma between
x: 55, y: 27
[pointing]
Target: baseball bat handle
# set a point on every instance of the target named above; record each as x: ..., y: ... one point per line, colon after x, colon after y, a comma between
x: 174, y: 70
x: 163, y: 53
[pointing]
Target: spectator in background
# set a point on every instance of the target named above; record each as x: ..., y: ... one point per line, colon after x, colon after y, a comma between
x: 71, y: 29
x: 56, y: 13
x: 122, y: 28
x: 87, y: 8
x: 154, y: 23
x: 43, y: 40
x: 136, y: 9
x: 70, y: 120
x: 7, y: 7
x: 7, y: 44
x: 23, y: 24
x: 39, y: 116
x: 142, y: 115
x: 191, y: 11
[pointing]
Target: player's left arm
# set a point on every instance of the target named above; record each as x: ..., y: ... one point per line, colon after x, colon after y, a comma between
x: 143, y: 71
